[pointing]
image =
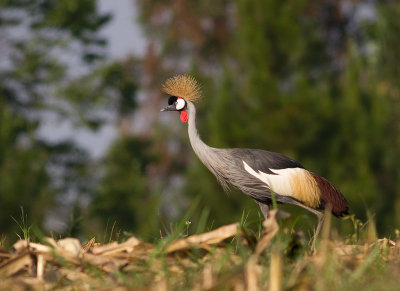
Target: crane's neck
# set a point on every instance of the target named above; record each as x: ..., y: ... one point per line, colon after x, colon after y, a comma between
x: 210, y: 157
x: 202, y: 150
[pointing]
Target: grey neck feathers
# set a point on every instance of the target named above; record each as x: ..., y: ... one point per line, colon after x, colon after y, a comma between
x: 201, y: 149
x: 214, y: 159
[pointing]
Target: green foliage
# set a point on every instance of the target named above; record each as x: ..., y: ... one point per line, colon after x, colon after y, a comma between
x: 23, y: 225
x: 385, y: 75
x: 123, y: 196
x: 22, y: 172
x: 306, y: 79
x: 33, y: 171
x: 109, y: 89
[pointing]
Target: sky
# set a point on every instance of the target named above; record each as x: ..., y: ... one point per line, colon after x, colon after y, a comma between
x: 123, y: 33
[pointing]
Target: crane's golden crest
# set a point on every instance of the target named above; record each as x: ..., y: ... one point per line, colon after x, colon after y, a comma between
x: 183, y: 86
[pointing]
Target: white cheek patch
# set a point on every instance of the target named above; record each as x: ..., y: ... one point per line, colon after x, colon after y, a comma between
x: 180, y: 104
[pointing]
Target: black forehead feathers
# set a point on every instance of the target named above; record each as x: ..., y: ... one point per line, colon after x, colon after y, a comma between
x: 172, y: 100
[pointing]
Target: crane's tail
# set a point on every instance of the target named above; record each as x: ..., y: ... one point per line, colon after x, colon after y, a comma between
x: 331, y: 197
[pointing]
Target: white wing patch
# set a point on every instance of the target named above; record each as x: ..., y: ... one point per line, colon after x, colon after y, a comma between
x: 294, y: 182
x: 279, y: 183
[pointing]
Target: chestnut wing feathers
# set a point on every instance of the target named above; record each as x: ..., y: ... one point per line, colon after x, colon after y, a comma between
x: 331, y: 196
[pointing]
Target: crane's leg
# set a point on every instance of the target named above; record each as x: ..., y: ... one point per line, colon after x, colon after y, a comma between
x: 320, y: 216
x: 264, y: 209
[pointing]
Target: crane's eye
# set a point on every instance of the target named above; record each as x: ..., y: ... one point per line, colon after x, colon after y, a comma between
x: 180, y: 104
x: 172, y: 100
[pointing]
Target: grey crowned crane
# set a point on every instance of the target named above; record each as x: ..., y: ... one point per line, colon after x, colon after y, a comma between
x: 257, y: 173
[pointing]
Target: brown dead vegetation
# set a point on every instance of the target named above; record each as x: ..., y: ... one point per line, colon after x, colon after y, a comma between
x: 67, y: 265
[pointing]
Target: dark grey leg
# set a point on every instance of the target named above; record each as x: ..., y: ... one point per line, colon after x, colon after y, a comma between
x: 320, y: 216
x: 264, y: 209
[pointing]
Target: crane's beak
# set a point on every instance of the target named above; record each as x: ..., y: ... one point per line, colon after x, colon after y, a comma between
x: 169, y: 108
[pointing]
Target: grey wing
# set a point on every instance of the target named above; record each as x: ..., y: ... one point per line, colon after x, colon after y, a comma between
x: 264, y: 161
x: 258, y: 160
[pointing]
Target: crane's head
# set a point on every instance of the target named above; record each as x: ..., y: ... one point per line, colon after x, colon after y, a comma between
x: 182, y: 89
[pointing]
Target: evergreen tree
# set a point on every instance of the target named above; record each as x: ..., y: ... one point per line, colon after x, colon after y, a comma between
x: 124, y: 198
x: 38, y: 38
x: 296, y: 78
x: 383, y: 83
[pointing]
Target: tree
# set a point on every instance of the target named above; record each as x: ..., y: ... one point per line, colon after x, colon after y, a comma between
x: 38, y: 38
x: 298, y: 79
x: 124, y: 198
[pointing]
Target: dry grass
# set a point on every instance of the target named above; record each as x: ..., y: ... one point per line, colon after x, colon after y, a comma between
x: 228, y: 258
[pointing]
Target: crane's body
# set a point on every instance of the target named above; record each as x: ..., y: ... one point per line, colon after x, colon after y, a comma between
x: 257, y: 173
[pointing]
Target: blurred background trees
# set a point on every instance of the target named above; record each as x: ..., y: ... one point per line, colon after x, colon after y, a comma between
x: 298, y: 78
x: 315, y: 80
x: 39, y: 39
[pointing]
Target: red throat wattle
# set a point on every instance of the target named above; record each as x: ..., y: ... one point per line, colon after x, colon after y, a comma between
x: 184, y: 116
